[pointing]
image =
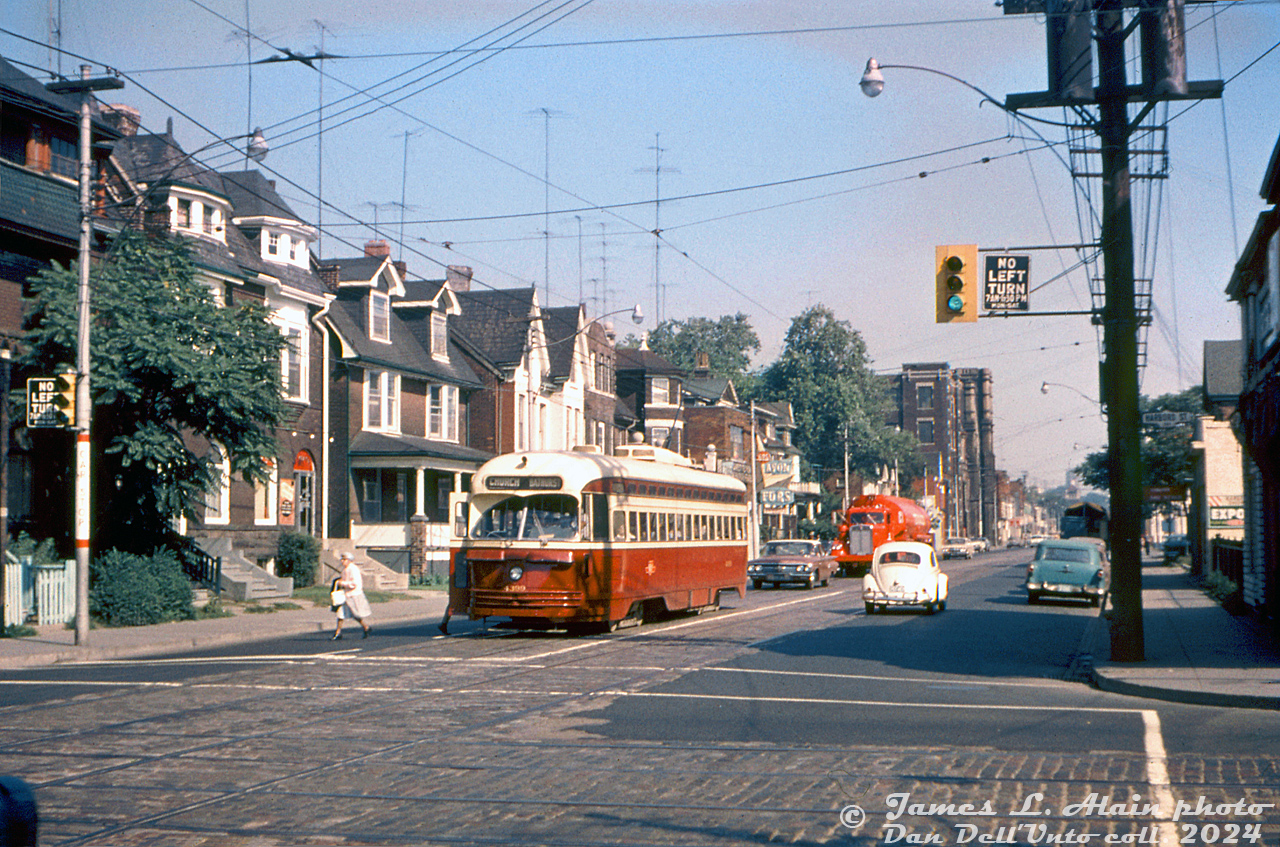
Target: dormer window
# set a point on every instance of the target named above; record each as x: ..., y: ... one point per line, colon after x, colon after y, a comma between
x: 184, y: 214
x: 439, y: 336
x: 273, y: 243
x: 379, y: 316
x: 293, y: 250
x: 206, y: 220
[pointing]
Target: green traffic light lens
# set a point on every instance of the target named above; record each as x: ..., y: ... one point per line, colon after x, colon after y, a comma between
x: 955, y: 304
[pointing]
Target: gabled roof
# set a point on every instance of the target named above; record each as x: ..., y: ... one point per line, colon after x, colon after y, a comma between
x: 496, y: 322
x: 21, y: 89
x: 560, y: 325
x: 644, y: 359
x: 364, y: 272
x: 428, y: 294
x: 711, y: 391
x: 780, y: 409
x: 252, y: 195
x: 347, y: 318
x: 152, y: 158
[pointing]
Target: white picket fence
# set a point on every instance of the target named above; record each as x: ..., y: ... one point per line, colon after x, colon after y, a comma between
x: 46, y: 591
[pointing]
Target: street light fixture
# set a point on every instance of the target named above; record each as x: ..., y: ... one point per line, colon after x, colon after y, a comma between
x: 1044, y: 389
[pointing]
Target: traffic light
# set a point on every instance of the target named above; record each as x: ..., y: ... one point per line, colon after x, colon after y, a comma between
x: 957, y: 283
x: 65, y: 399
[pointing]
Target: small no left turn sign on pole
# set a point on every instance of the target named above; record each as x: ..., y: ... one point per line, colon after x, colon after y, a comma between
x: 1006, y: 286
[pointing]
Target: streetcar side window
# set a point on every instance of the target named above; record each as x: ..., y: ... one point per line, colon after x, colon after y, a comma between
x: 619, y: 525
x: 599, y: 506
x: 635, y: 532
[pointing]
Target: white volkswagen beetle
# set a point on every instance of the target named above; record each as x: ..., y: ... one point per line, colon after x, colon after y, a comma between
x: 904, y: 573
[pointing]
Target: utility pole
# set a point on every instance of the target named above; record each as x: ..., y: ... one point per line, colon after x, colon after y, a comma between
x: 84, y: 410
x: 1072, y: 28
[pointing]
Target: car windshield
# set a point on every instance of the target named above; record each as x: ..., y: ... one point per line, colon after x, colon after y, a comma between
x: 866, y: 517
x: 902, y: 556
x: 540, y: 516
x: 1064, y: 554
x: 788, y: 548
x: 957, y: 541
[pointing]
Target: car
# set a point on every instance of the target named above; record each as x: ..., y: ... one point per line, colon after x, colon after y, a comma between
x: 957, y: 548
x: 979, y: 545
x: 1075, y: 568
x: 795, y: 561
x: 904, y: 573
x: 1175, y: 546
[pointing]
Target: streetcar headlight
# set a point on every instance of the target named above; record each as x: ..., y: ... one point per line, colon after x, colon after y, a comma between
x: 514, y: 573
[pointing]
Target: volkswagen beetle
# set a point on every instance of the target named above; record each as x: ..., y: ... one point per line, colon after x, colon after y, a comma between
x: 904, y: 573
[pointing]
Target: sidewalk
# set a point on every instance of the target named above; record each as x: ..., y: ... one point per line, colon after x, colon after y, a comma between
x: 1196, y: 652
x: 55, y: 644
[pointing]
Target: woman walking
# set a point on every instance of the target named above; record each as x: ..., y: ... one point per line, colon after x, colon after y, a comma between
x: 357, y: 605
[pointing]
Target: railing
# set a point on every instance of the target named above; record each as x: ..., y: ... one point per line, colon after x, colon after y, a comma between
x: 198, y: 565
x: 1227, y: 558
x: 47, y: 592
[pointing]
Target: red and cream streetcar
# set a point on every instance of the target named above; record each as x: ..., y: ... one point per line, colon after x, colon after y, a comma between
x: 574, y: 539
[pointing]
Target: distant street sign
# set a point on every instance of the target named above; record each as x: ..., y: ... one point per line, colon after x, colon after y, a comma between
x: 42, y: 402
x: 763, y: 456
x: 1007, y: 284
x: 1167, y: 418
x: 1165, y: 493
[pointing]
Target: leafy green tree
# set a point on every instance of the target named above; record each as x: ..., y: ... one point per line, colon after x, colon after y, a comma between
x: 728, y: 343
x: 824, y: 372
x: 1167, y: 458
x: 171, y: 367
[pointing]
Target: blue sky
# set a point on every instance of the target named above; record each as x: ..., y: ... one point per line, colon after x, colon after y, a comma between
x: 782, y: 185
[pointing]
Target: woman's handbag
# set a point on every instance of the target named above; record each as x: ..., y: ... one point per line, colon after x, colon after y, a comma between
x: 337, y: 597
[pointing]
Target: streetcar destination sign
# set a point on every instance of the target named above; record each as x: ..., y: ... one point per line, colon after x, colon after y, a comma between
x: 1007, y: 284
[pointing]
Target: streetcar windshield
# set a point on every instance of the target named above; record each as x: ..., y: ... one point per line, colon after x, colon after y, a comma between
x: 866, y: 517
x: 538, y: 517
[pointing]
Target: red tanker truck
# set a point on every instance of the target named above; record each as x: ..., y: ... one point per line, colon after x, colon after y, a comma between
x: 872, y: 520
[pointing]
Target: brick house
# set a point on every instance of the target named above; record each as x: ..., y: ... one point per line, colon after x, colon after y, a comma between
x: 399, y: 405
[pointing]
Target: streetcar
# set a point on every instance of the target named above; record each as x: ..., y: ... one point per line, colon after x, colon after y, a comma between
x: 581, y: 540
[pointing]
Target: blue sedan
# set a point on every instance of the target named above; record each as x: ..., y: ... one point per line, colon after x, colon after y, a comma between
x: 1071, y: 569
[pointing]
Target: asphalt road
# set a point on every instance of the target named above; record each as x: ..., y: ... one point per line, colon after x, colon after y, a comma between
x: 772, y: 720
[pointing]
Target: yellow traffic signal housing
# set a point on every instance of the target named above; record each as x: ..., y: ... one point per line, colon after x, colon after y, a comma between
x: 66, y: 399
x: 957, y: 283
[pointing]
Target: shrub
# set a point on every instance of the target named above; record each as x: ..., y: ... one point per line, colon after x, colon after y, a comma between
x: 129, y: 590
x: 298, y: 556
x: 41, y: 552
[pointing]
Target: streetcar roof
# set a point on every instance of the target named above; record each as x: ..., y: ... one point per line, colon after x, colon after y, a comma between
x: 577, y: 469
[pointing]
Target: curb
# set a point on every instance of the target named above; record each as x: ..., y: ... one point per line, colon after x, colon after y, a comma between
x: 1183, y: 695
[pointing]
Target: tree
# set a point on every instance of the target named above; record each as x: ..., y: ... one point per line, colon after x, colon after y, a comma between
x: 1167, y: 458
x: 728, y: 343
x: 170, y: 368
x: 823, y: 371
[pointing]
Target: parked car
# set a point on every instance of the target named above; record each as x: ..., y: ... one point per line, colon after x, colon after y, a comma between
x: 904, y: 573
x: 957, y: 548
x: 979, y: 545
x: 793, y: 561
x: 1175, y: 546
x: 1070, y: 568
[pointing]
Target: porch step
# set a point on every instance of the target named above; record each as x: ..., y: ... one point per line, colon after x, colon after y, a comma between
x: 241, y: 579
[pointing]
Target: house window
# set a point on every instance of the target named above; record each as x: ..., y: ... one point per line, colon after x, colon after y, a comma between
x: 737, y: 443
x: 64, y: 157
x: 273, y: 243
x: 293, y: 250
x: 924, y: 430
x: 293, y: 364
x: 264, y: 497
x: 382, y: 400
x: 206, y: 219
x: 661, y: 391
x: 924, y: 396
x: 439, y: 336
x: 379, y: 316
x: 384, y: 494
x: 217, y: 502
x: 183, y: 219
x: 658, y: 436
x: 442, y: 412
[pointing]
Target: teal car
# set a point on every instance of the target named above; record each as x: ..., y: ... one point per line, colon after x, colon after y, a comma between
x: 1070, y: 569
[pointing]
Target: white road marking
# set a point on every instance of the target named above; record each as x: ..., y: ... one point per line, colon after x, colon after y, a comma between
x: 968, y: 683
x: 1158, y: 775
x: 896, y: 704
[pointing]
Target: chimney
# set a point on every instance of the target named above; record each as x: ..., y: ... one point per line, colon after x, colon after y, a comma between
x: 401, y: 268
x: 702, y: 365
x: 123, y: 119
x: 329, y: 276
x: 458, y: 277
x: 376, y: 247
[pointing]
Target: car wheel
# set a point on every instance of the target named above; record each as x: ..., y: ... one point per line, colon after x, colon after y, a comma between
x: 813, y: 580
x: 871, y: 608
x: 930, y: 607
x: 824, y: 583
x: 942, y: 605
x: 1033, y: 598
x: 755, y: 583
x: 1094, y: 601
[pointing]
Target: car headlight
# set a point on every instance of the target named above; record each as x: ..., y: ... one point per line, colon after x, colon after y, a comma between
x: 514, y: 573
